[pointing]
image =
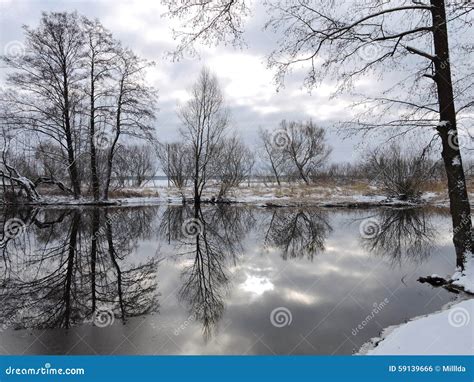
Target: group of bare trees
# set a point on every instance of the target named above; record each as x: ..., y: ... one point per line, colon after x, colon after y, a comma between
x: 401, y: 173
x: 348, y: 41
x: 75, y: 92
x: 207, y: 153
x: 297, y: 150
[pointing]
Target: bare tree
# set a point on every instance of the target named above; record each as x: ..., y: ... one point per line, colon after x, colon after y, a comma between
x: 204, y: 119
x: 306, y: 148
x: 402, y: 173
x: 272, y: 154
x: 133, y: 109
x: 16, y: 185
x: 235, y: 165
x: 50, y: 159
x: 47, y: 82
x: 142, y: 163
x: 100, y: 54
x: 176, y: 163
x: 208, y: 22
x: 354, y: 39
x: 76, y: 91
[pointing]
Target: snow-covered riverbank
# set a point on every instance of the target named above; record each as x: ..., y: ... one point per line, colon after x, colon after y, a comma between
x: 328, y: 195
x: 450, y: 331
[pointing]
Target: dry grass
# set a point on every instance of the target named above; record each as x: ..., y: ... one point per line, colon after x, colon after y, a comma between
x: 438, y: 187
x: 131, y: 193
x: 326, y: 189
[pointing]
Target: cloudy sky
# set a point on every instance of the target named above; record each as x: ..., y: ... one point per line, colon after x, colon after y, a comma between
x: 248, y: 85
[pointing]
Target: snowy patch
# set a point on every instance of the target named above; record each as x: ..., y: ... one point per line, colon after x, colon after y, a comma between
x: 369, y: 198
x: 465, y: 279
x: 429, y: 195
x: 447, y: 332
x: 456, y: 161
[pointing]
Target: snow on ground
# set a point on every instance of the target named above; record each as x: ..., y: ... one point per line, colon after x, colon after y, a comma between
x: 368, y: 198
x: 286, y: 194
x: 258, y: 193
x: 428, y: 196
x: 465, y: 279
x: 450, y: 331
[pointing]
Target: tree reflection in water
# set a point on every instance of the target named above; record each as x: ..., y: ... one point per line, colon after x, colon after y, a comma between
x: 298, y: 234
x: 70, y: 263
x: 402, y: 234
x: 208, y: 239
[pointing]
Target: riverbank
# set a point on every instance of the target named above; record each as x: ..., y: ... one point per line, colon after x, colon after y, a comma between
x: 355, y: 195
x: 447, y: 332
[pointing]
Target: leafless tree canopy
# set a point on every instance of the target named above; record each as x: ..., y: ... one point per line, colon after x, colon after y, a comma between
x: 346, y: 41
x: 402, y: 173
x: 208, y: 22
x: 295, y: 149
x: 176, y: 162
x: 205, y: 120
x: 306, y: 149
x: 138, y: 164
x: 235, y: 164
x: 74, y: 94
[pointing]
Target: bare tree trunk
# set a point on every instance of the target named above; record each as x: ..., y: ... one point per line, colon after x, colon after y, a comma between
x: 301, y: 171
x: 93, y: 156
x: 110, y: 155
x: 72, y: 164
x: 275, y: 172
x: 110, y: 162
x: 458, y: 197
x: 197, y: 195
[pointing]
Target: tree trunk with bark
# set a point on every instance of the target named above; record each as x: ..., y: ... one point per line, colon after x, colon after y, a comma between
x: 92, y: 132
x: 72, y: 164
x: 447, y: 129
x: 111, y: 153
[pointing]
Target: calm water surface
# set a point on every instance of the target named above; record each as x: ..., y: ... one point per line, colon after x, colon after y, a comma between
x: 220, y: 280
